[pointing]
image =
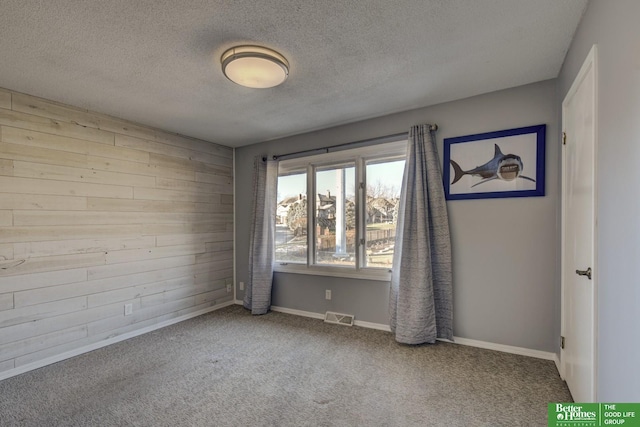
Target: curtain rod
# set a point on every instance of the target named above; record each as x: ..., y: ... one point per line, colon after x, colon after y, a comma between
x: 347, y: 145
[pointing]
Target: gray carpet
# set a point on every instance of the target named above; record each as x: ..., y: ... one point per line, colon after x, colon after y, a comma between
x: 228, y: 368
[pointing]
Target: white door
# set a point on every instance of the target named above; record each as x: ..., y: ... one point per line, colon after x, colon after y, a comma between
x: 579, y: 272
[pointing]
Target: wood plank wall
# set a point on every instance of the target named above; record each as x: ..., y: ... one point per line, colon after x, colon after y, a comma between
x: 96, y: 213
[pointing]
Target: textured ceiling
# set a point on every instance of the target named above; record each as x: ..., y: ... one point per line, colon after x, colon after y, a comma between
x: 156, y: 62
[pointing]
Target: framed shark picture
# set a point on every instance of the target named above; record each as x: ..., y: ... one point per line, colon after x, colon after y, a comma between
x: 507, y: 163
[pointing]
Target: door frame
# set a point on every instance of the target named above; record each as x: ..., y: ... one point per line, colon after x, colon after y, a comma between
x: 590, y: 62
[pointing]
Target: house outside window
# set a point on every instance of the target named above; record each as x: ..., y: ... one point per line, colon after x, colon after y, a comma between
x: 347, y: 227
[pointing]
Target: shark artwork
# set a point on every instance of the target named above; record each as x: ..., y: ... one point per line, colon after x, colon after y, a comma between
x: 506, y: 167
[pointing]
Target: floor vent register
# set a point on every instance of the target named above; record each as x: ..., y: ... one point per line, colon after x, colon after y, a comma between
x: 338, y: 318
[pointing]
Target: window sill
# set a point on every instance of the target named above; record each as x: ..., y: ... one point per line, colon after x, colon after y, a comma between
x: 381, y: 275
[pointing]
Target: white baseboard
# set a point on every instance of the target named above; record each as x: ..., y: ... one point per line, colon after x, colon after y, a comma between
x: 69, y: 354
x: 556, y: 359
x: 371, y: 325
x: 538, y: 354
x: 298, y: 312
x: 456, y: 340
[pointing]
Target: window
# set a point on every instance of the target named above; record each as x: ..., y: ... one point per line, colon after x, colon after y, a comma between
x: 347, y: 226
x: 335, y: 215
x: 382, y: 199
x: 291, y: 218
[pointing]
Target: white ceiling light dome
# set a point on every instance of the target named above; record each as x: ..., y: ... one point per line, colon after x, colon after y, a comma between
x: 254, y: 66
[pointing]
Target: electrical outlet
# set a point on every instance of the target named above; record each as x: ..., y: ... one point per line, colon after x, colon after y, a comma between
x: 228, y: 287
x: 242, y: 286
x: 128, y: 309
x: 327, y: 294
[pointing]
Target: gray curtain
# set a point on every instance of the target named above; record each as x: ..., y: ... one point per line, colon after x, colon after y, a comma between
x: 421, y: 300
x: 257, y: 296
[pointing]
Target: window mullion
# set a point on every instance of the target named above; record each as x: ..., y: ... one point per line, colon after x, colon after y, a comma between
x: 311, y: 216
x: 360, y: 209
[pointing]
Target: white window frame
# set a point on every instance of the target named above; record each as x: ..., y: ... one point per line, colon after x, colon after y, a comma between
x: 390, y: 151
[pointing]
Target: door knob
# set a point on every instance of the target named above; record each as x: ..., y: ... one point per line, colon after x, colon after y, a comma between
x: 586, y: 272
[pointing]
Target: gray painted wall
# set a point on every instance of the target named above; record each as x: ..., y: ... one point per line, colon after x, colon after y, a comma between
x: 614, y: 27
x: 505, y: 250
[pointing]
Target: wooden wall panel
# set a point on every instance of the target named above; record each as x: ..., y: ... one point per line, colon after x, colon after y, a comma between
x: 197, y: 187
x: 29, y: 138
x: 213, y: 179
x: 39, y: 107
x: 212, y: 296
x: 116, y: 257
x: 98, y: 212
x: 193, y: 228
x: 42, y: 311
x: 25, y: 265
x: 169, y: 150
x: 122, y: 205
x: 40, y: 155
x: 6, y: 251
x: 141, y: 193
x: 29, y: 345
x: 130, y: 293
x: 6, y: 167
x: 174, y: 162
x: 42, y: 280
x: 102, y: 218
x: 81, y: 246
x: 6, y: 218
x: 113, y: 270
x: 7, y: 365
x: 66, y: 173
x: 51, y: 187
x: 5, y: 99
x: 185, y: 239
x: 40, y: 201
x: 118, y: 325
x: 23, y: 331
x: 6, y: 301
x: 73, y: 289
x: 219, y: 246
x: 59, y: 232
x: 43, y: 124
x: 53, y: 110
x: 175, y: 294
x: 126, y: 166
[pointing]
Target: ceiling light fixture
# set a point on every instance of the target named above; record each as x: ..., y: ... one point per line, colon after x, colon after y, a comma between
x: 254, y: 66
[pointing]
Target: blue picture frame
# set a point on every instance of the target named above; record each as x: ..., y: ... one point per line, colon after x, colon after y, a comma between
x: 506, y: 163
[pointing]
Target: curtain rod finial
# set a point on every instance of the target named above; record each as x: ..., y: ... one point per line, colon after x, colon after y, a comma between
x: 433, y: 127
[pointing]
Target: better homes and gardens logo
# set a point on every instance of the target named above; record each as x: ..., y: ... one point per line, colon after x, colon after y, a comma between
x: 593, y: 414
x: 581, y: 414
